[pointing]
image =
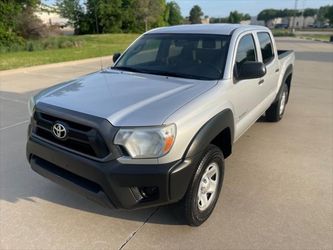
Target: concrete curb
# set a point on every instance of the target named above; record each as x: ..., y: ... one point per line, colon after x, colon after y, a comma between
x: 55, y: 65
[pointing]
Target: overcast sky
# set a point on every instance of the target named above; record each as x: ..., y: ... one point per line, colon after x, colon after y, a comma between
x: 221, y: 8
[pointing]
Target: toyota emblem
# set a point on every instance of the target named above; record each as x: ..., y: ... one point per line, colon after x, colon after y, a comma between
x: 59, y: 131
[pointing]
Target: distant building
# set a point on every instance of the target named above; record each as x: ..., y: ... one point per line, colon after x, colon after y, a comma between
x: 50, y: 17
x: 287, y: 22
x: 246, y: 22
x: 301, y: 22
x: 255, y: 21
x: 205, y: 20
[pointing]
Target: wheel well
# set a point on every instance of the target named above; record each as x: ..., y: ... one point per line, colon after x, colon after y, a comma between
x: 288, y: 82
x: 223, y: 141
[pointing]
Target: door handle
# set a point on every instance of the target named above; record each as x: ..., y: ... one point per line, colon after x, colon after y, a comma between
x: 261, y: 81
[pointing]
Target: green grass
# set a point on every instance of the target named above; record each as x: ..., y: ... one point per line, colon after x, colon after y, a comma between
x: 321, y: 37
x: 89, y: 46
x: 282, y: 32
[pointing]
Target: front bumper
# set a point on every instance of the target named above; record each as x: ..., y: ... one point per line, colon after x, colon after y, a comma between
x: 111, y: 183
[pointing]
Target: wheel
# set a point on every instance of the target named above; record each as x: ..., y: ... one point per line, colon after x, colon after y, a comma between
x: 275, y: 112
x: 204, y: 190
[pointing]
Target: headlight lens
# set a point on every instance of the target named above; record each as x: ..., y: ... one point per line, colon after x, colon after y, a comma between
x: 31, y: 105
x: 152, y: 142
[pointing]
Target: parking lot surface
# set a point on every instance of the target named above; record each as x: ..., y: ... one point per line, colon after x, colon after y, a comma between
x: 277, y: 193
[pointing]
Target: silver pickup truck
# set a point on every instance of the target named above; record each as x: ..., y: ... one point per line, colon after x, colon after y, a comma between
x: 157, y: 126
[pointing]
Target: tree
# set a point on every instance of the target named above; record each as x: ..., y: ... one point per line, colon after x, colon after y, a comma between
x: 129, y: 22
x: 234, y: 17
x: 329, y: 14
x: 10, y: 9
x: 72, y: 10
x: 173, y: 13
x: 110, y: 16
x: 246, y: 17
x: 150, y: 12
x: 30, y: 26
x: 322, y: 14
x: 104, y: 16
x: 219, y: 20
x: 13, y: 21
x: 195, y: 14
x: 310, y: 12
x: 268, y: 14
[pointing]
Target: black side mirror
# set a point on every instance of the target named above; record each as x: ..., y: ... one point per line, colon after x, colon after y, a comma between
x: 115, y: 57
x: 250, y: 70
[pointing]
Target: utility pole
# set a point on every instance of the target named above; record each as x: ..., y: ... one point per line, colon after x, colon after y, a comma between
x: 294, y: 19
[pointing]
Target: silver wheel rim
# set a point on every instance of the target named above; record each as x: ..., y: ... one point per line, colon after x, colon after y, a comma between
x: 283, y: 102
x: 208, y: 186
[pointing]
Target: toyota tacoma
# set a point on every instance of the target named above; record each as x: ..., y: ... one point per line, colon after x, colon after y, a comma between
x: 157, y: 126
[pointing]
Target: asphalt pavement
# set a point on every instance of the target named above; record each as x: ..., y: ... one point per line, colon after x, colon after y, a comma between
x: 277, y: 192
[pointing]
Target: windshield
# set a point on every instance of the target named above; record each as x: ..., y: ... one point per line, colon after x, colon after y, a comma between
x: 194, y: 56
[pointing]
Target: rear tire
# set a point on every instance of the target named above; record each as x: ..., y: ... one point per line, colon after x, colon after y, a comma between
x: 276, y: 111
x: 204, y: 190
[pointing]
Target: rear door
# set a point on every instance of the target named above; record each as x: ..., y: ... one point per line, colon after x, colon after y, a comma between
x: 268, y: 56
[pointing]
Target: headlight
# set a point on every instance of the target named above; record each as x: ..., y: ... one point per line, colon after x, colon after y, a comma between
x: 148, y: 142
x: 31, y: 105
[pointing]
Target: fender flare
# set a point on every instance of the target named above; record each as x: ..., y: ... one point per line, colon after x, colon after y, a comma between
x: 209, y: 131
x: 287, y: 73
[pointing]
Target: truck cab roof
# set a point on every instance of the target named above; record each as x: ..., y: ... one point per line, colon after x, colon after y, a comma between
x: 214, y: 29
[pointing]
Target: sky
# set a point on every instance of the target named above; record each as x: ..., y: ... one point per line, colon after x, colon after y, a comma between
x: 222, y: 8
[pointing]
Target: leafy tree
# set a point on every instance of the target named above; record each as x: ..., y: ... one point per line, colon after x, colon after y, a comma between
x: 129, y: 22
x: 10, y: 9
x: 235, y: 17
x: 322, y: 14
x: 30, y: 26
x: 72, y: 10
x: 329, y: 14
x: 310, y: 12
x: 110, y: 15
x: 14, y: 19
x: 288, y: 13
x: 219, y: 20
x: 173, y: 13
x: 268, y: 14
x: 195, y: 14
x: 151, y: 12
x: 246, y: 17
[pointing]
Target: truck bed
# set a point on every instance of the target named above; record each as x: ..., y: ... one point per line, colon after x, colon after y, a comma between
x: 284, y: 53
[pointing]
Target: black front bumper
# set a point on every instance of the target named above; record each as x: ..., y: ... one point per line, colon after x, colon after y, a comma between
x: 111, y: 183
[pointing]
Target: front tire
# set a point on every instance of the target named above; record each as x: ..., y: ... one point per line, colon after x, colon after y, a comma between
x: 203, y: 192
x: 276, y: 111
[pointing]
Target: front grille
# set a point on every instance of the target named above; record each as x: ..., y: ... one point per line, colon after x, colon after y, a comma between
x: 80, y: 138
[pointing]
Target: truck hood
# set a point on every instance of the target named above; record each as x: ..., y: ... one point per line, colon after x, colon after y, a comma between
x: 124, y: 98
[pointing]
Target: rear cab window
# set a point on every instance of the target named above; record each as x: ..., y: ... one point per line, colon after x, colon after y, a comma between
x: 266, y: 47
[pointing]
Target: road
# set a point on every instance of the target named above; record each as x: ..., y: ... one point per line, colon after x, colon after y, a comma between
x: 277, y: 191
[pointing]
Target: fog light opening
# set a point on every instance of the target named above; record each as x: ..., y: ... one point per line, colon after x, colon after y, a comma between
x: 149, y: 193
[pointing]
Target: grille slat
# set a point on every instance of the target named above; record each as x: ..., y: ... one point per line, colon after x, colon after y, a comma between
x: 81, y: 138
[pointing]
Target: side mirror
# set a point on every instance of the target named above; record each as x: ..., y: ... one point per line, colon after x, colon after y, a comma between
x: 250, y: 70
x: 115, y: 57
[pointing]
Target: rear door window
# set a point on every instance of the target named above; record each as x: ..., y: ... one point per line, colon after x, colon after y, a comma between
x: 266, y: 47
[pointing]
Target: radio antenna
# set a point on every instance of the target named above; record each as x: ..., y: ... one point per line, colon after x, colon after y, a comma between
x: 97, y: 32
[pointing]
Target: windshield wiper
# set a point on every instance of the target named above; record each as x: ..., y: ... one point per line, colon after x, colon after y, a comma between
x: 180, y: 75
x: 130, y: 69
x: 160, y: 72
